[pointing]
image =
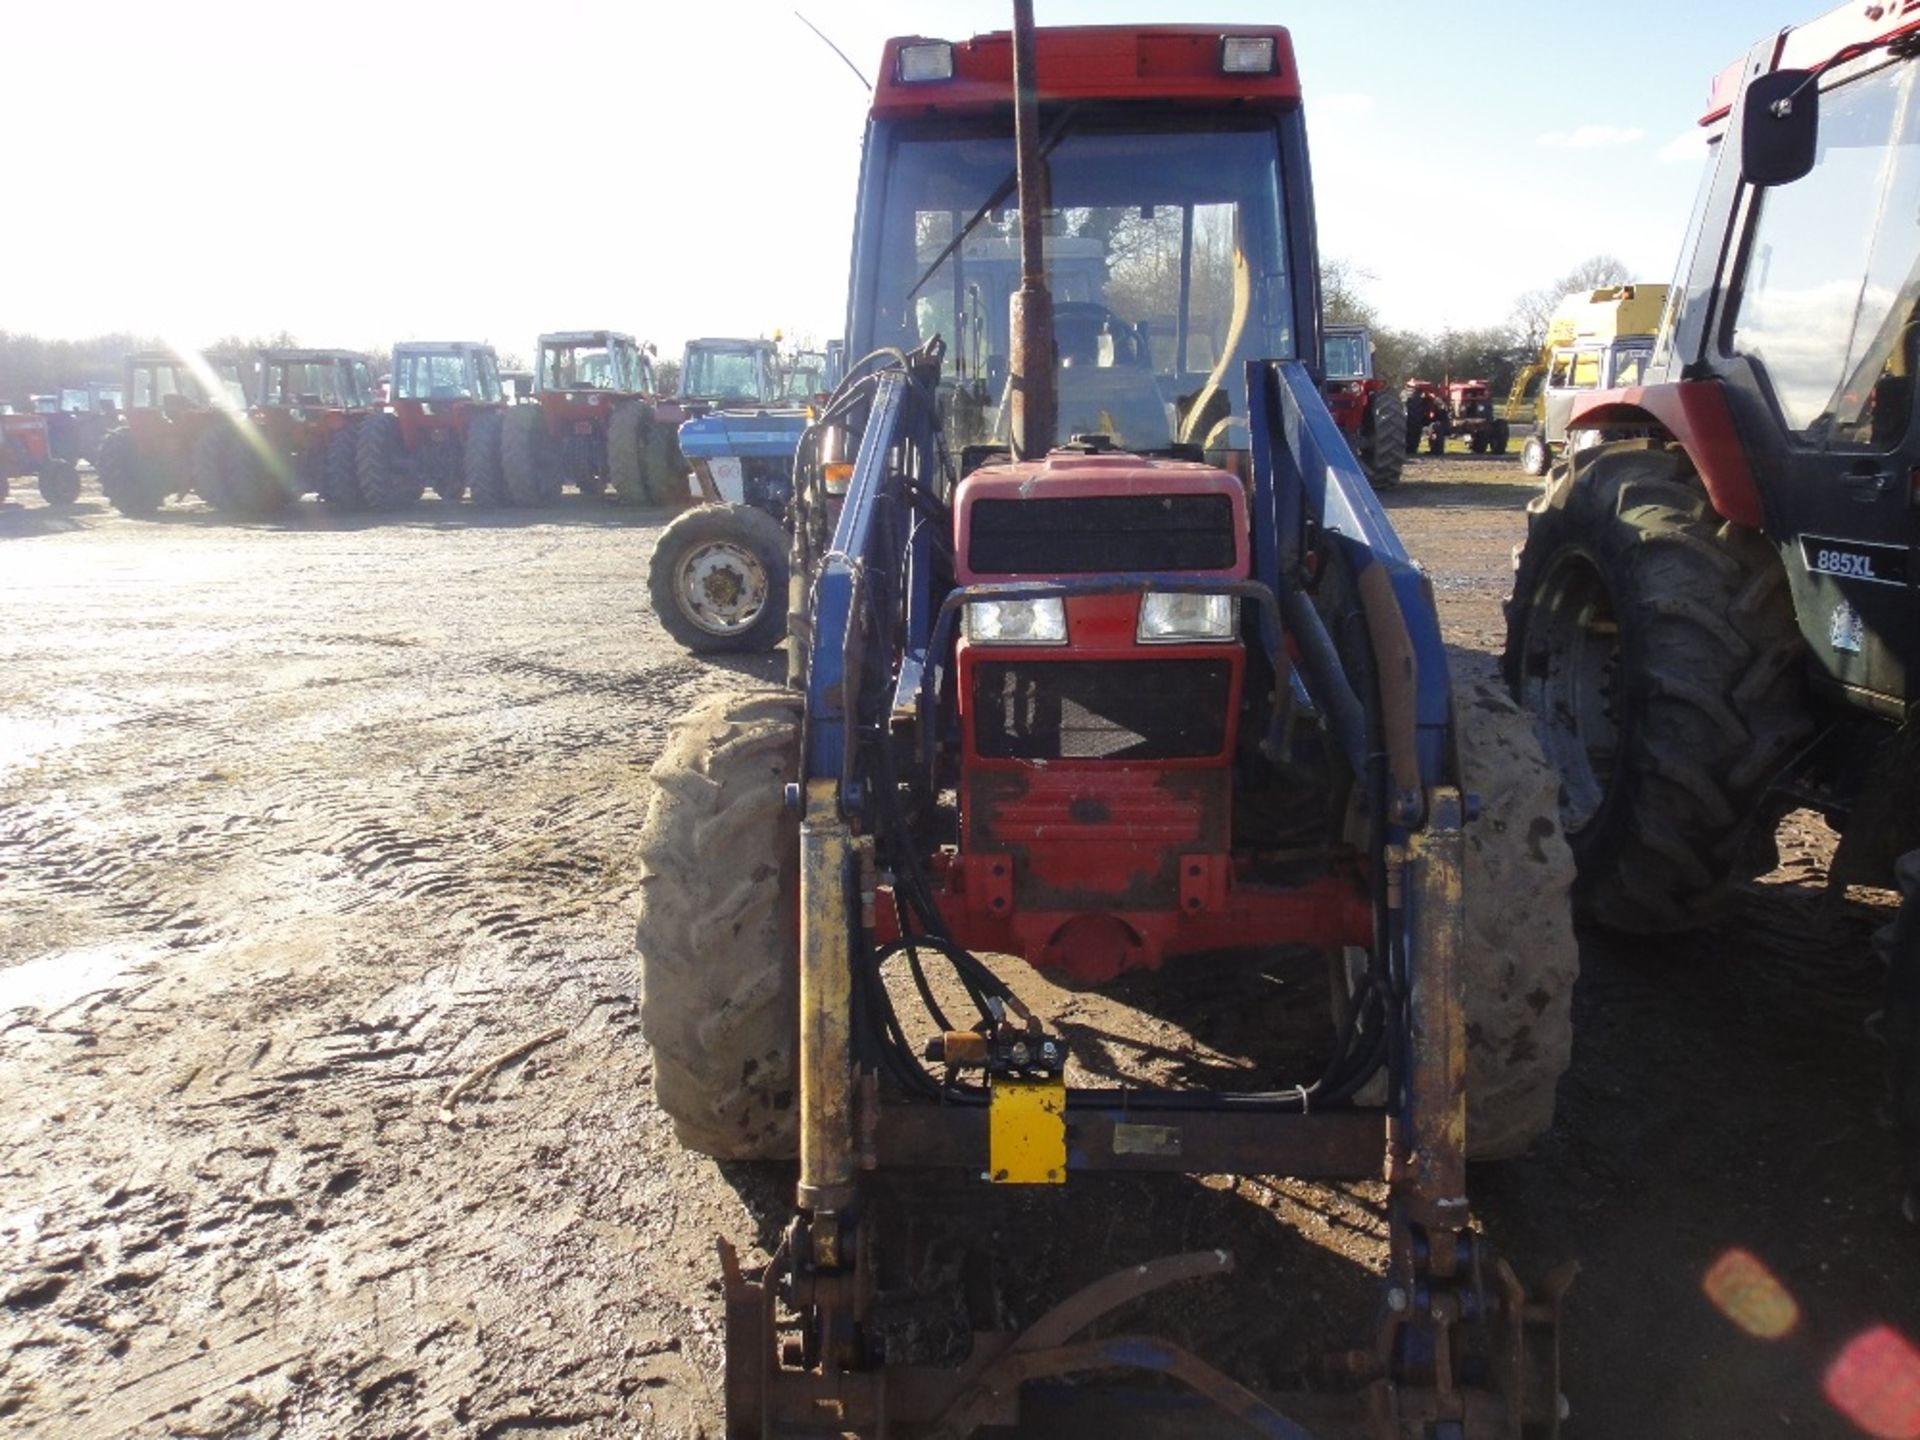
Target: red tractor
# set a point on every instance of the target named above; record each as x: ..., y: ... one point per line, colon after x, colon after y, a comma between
x: 172, y: 400
x: 1427, y: 414
x: 1369, y: 414
x: 297, y: 438
x: 596, y: 421
x: 440, y: 428
x: 1470, y: 415
x: 27, y: 447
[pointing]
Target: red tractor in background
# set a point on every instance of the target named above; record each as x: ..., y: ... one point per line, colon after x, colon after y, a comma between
x: 1425, y: 404
x: 597, y: 420
x: 172, y: 400
x: 27, y: 447
x: 1463, y: 408
x: 1371, y: 415
x: 440, y: 428
x: 297, y: 438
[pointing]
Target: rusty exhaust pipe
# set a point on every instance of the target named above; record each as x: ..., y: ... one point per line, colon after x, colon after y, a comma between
x: 1034, y: 409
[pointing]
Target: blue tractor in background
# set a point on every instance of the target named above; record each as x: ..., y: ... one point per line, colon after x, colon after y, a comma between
x: 718, y: 579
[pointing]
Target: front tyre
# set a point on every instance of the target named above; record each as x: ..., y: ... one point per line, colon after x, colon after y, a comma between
x: 1656, y: 647
x: 123, y: 479
x: 1521, y: 957
x: 1534, y: 456
x: 719, y: 923
x: 718, y: 579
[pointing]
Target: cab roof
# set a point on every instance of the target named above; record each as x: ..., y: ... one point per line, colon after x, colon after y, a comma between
x: 585, y: 337
x: 1178, y: 63
x: 1816, y: 44
x: 308, y: 357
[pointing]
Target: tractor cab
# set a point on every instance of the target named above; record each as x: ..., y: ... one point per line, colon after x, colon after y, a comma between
x: 171, y: 399
x: 439, y: 426
x: 585, y: 369
x: 306, y: 396
x: 729, y: 375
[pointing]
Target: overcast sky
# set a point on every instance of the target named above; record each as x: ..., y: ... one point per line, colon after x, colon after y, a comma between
x: 361, y: 173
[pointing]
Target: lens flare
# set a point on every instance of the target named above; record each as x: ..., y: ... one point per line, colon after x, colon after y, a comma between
x: 1875, y: 1383
x: 1746, y: 1292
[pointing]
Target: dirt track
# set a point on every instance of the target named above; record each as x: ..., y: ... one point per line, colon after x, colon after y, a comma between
x: 304, y: 827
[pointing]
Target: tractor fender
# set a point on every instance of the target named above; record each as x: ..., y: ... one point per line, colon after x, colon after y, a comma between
x: 1695, y: 414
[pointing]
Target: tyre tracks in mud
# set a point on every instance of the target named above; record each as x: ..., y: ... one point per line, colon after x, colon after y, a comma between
x: 260, y: 929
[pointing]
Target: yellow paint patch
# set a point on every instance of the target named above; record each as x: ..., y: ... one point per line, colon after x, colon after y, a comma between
x: 1027, y: 1132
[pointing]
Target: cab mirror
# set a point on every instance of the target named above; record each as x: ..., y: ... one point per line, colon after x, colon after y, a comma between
x: 1779, y: 127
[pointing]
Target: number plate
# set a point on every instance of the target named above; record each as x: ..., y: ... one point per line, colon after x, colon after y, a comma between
x: 1855, y: 559
x: 583, y: 427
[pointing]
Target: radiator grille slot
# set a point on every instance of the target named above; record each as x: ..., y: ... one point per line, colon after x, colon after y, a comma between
x: 1094, y: 534
x: 1101, y: 710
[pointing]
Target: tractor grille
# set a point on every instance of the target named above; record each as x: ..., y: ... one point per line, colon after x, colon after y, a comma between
x: 1095, y: 534
x: 1101, y: 709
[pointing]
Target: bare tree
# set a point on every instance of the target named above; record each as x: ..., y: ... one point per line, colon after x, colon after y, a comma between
x: 1535, y: 308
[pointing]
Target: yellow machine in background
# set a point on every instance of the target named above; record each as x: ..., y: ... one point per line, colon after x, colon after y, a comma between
x: 1597, y: 339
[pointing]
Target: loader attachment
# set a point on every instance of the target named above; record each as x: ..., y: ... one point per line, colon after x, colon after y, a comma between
x: 1462, y: 1350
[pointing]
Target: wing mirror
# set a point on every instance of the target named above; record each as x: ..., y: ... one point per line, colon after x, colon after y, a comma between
x: 1779, y: 127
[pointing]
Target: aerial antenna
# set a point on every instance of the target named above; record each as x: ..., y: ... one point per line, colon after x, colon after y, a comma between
x: 834, y: 48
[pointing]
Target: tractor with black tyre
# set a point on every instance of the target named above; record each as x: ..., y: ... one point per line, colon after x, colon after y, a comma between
x: 440, y: 427
x: 1715, y: 616
x: 172, y: 401
x: 595, y: 421
x: 1103, y: 716
x: 299, y: 437
x: 718, y: 577
x: 1371, y: 415
x: 28, y: 448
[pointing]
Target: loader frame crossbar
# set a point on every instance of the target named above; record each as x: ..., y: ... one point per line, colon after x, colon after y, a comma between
x: 876, y: 629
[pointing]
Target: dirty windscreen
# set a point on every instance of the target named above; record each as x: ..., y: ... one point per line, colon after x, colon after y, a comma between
x: 1165, y: 257
x: 728, y: 376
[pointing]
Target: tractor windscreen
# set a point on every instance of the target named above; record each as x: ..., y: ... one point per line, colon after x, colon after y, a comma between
x: 1346, y: 355
x: 1830, y: 294
x: 1165, y: 254
x: 731, y: 377
x: 579, y: 367
x: 433, y: 377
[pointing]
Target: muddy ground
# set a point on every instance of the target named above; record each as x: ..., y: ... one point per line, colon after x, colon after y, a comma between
x: 327, y: 1113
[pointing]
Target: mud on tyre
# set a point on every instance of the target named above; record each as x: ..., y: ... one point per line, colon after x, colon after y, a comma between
x: 1656, y: 647
x: 1521, y: 956
x: 718, y: 933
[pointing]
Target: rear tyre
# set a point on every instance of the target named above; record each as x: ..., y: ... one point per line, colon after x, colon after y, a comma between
x: 526, y: 458
x: 639, y: 455
x: 1534, y: 456
x: 1436, y: 443
x: 1656, y: 647
x: 480, y: 459
x: 340, y: 471
x: 1521, y: 956
x: 719, y: 927
x: 60, y: 483
x: 1381, y: 449
x: 718, y: 579
x: 1498, y: 438
x: 122, y: 478
x: 386, y: 481
x: 210, y: 468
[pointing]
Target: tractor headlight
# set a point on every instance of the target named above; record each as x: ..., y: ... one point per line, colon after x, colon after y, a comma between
x: 920, y: 63
x: 1171, y: 618
x: 1017, y: 622
x: 1247, y: 54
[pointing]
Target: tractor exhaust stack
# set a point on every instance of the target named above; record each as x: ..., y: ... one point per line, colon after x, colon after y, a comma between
x: 1035, y: 407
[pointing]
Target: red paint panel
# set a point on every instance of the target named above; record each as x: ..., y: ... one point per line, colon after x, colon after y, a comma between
x: 1694, y: 413
x: 1180, y: 63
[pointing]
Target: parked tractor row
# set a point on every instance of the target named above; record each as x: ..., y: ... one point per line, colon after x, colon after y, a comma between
x: 253, y: 431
